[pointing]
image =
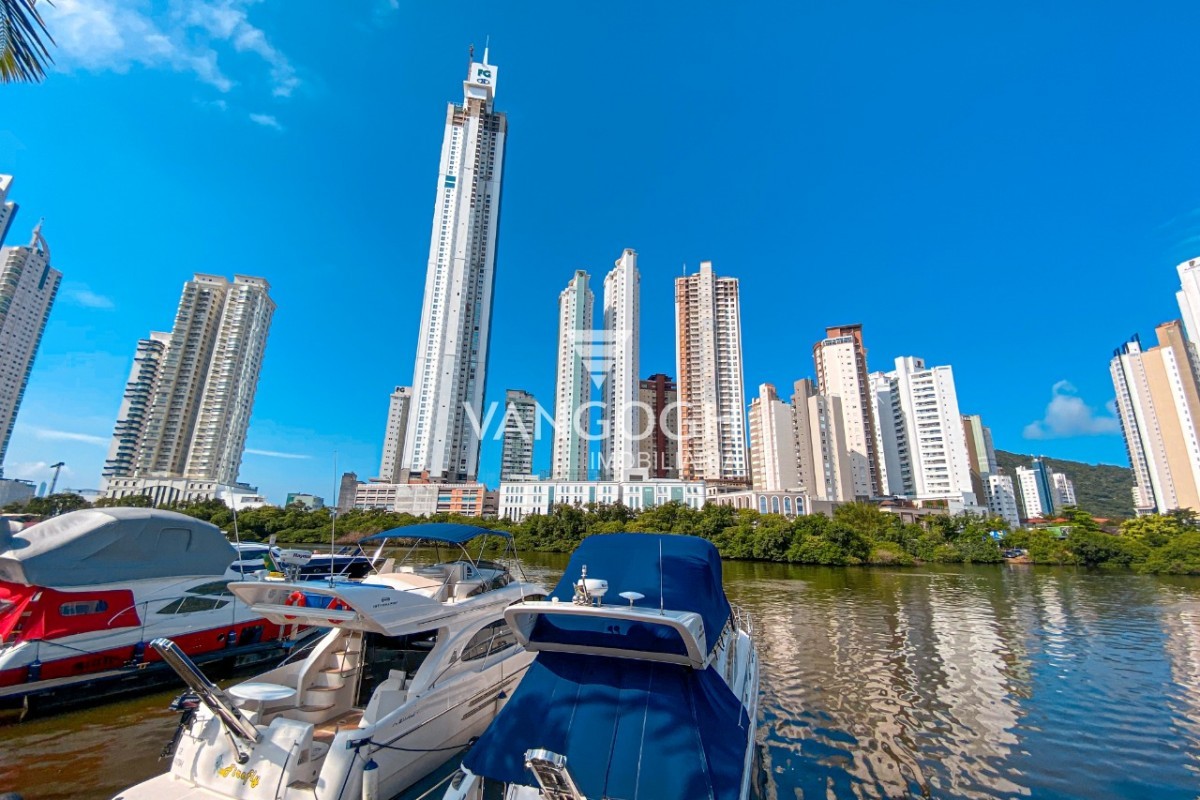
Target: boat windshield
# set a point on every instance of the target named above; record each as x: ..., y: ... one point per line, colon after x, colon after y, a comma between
x: 383, y: 655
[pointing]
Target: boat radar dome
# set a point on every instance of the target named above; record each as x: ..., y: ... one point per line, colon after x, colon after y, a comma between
x: 588, y: 589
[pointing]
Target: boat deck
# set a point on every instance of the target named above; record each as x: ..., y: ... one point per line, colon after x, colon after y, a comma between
x: 325, y: 732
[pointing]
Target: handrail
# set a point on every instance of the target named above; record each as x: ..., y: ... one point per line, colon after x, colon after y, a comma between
x: 209, y: 693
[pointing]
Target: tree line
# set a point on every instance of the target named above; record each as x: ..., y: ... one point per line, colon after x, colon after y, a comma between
x: 857, y: 533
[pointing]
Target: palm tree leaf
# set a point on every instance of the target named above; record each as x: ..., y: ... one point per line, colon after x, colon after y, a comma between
x: 23, y: 51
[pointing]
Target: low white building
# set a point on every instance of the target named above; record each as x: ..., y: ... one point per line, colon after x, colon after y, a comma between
x: 163, y: 491
x: 520, y: 499
x: 422, y: 499
x: 15, y: 491
x: 788, y: 504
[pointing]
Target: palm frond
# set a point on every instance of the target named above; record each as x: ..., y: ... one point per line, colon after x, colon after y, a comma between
x: 24, y: 54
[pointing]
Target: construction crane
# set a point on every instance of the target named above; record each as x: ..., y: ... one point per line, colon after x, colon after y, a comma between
x: 57, y: 469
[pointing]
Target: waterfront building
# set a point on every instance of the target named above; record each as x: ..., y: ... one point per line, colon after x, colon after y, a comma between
x: 620, y: 447
x: 1001, y: 498
x: 841, y: 365
x: 347, y: 489
x: 790, y: 504
x: 1037, y: 490
x: 200, y: 381
x: 15, y: 491
x: 520, y: 499
x: 450, y: 369
x: 1064, y: 490
x: 393, y: 436
x: 773, y: 453
x: 658, y: 426
x: 422, y: 499
x: 1158, y: 403
x: 708, y: 362
x: 981, y: 454
x: 823, y: 461
x: 164, y: 491
x: 1188, y: 298
x: 28, y: 286
x: 8, y: 208
x: 309, y: 501
x: 573, y: 380
x: 520, y: 422
x: 922, y: 433
x: 135, y: 406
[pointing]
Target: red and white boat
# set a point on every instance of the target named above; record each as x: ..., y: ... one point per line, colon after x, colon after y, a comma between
x: 81, y: 594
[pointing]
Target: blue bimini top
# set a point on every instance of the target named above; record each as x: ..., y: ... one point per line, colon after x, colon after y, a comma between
x: 630, y: 729
x: 451, y: 532
x: 687, y: 568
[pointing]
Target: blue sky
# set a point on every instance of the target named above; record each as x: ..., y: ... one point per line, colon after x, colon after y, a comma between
x: 1001, y: 187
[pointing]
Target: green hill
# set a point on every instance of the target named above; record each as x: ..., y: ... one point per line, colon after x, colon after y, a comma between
x: 1102, y: 489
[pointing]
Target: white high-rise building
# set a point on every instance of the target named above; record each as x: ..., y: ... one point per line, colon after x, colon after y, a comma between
x: 28, y: 286
x: 8, y: 208
x: 1031, y: 496
x: 572, y: 411
x: 923, y: 437
x: 708, y: 360
x: 1002, y: 498
x: 891, y: 447
x: 822, y: 457
x: 1188, y: 297
x: 841, y: 364
x: 621, y: 447
x: 1158, y: 402
x: 1064, y: 490
x: 393, y: 436
x: 135, y: 406
x: 449, y: 375
x: 773, y: 449
x: 520, y: 423
x: 199, y: 412
x: 219, y: 437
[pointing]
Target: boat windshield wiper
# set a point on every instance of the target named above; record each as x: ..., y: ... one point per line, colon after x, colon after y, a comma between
x: 236, y: 726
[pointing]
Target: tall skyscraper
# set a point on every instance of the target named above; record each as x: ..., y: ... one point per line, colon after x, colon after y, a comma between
x: 659, y: 427
x: 520, y: 419
x: 1064, y: 490
x: 923, y: 434
x: 135, y: 406
x: 773, y: 457
x: 1188, y: 297
x: 572, y: 417
x: 841, y: 363
x: 204, y: 385
x: 393, y: 436
x: 28, y: 286
x: 449, y: 376
x: 8, y: 208
x: 708, y: 359
x: 620, y: 446
x: 822, y: 456
x: 1002, y: 498
x: 1034, y: 499
x: 981, y: 455
x: 1158, y: 402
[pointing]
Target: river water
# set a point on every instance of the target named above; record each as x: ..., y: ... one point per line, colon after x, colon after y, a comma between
x: 954, y: 682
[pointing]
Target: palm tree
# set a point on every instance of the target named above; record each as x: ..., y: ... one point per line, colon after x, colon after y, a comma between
x: 23, y: 38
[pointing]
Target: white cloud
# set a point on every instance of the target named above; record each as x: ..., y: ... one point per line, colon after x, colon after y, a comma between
x: 80, y: 294
x: 188, y: 36
x: 266, y: 120
x: 1067, y: 415
x: 52, y: 435
x: 275, y: 453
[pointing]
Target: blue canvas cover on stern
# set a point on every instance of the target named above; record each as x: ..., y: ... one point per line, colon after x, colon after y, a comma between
x: 689, y: 574
x: 630, y: 729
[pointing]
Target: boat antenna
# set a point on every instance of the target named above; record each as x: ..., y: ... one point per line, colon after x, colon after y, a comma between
x: 662, y: 603
x: 333, y: 520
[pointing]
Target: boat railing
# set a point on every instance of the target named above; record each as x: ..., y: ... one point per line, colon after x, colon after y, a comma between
x: 742, y: 620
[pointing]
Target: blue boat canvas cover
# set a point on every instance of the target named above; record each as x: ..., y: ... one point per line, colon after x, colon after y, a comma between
x: 687, y: 577
x: 630, y: 729
x: 451, y: 532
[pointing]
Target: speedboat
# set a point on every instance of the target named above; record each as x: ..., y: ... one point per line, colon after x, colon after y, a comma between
x: 254, y: 556
x: 82, y: 593
x: 417, y: 661
x: 650, y: 694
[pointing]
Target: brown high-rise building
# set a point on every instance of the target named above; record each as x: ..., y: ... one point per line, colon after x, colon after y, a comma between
x: 659, y: 445
x: 841, y: 362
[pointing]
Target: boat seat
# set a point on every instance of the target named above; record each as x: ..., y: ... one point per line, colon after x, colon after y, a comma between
x: 465, y: 589
x: 387, y: 696
x: 404, y: 581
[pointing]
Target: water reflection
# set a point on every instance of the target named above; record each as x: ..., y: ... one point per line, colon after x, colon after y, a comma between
x: 968, y: 682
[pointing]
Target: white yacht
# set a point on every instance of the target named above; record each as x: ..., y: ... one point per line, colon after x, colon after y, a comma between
x: 417, y: 663
x: 652, y: 693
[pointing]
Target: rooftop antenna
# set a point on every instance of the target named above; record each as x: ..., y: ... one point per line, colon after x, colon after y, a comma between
x: 487, y: 40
